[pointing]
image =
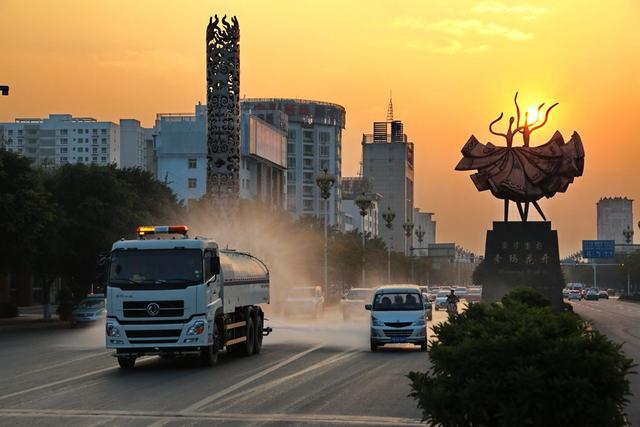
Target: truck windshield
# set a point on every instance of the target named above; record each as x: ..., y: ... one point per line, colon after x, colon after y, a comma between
x: 157, y: 266
x: 397, y: 302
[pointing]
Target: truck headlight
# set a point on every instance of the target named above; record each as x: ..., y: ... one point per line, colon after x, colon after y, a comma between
x: 376, y: 322
x: 419, y: 322
x: 196, y: 329
x: 112, y: 330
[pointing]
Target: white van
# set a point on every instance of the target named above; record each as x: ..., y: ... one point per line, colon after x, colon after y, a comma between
x: 398, y: 315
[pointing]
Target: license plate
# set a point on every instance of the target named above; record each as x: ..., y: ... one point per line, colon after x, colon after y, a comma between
x: 398, y: 339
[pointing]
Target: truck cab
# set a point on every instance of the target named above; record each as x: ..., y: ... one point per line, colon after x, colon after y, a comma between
x: 182, y: 296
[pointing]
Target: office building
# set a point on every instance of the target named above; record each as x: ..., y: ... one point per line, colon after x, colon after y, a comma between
x: 136, y: 145
x: 615, y: 215
x: 387, y: 161
x: 314, y: 134
x: 61, y: 139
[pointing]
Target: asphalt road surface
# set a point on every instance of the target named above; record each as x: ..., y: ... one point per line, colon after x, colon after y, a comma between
x: 309, y: 373
x: 620, y: 321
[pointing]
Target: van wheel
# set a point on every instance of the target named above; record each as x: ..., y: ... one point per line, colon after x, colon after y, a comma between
x: 257, y: 345
x: 126, y: 362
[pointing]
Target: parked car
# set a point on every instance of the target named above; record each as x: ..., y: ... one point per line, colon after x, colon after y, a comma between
x: 89, y: 310
x: 565, y: 292
x: 461, y: 292
x: 398, y: 315
x: 592, y: 295
x: 611, y: 292
x: 575, y: 295
x: 354, y: 301
x: 603, y: 294
x: 305, y: 300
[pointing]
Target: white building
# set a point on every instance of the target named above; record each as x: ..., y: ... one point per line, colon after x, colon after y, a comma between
x: 62, y: 138
x: 181, y: 157
x: 387, y: 158
x: 136, y: 145
x: 314, y: 144
x: 615, y: 215
x: 423, y: 223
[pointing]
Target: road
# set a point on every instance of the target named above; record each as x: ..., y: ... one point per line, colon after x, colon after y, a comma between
x: 620, y: 321
x: 309, y: 373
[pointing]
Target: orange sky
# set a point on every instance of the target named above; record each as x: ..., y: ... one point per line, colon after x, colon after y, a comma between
x: 452, y: 66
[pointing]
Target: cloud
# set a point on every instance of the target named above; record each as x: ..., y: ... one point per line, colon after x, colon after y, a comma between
x: 492, y: 6
x: 460, y: 27
x: 446, y: 46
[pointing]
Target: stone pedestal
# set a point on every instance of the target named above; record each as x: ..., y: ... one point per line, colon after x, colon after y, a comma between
x: 522, y: 254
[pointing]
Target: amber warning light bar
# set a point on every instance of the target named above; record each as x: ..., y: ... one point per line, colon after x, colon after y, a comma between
x: 145, y: 230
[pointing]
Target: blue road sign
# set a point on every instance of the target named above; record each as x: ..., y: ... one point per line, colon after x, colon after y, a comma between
x: 598, y: 248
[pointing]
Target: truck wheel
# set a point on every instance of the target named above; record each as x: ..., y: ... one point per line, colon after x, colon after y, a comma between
x: 126, y: 362
x: 246, y: 348
x: 257, y: 345
x: 209, y: 355
x: 374, y: 347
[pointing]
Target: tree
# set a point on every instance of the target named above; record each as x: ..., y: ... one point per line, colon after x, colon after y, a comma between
x: 519, y: 363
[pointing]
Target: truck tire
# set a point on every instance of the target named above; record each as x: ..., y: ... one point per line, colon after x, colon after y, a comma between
x: 246, y: 347
x: 374, y: 347
x: 126, y: 362
x: 257, y: 345
x: 209, y: 355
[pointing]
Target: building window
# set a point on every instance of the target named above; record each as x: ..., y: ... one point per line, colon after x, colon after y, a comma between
x: 307, y: 190
x: 64, y: 140
x: 291, y: 190
x: 292, y: 134
x: 103, y: 150
x: 308, y: 177
x: 94, y: 159
x: 307, y: 205
x: 324, y: 137
x: 324, y: 150
x: 308, y: 164
x: 193, y: 163
x: 308, y: 136
x: 103, y: 131
x: 308, y: 150
x: 94, y: 131
x: 291, y: 162
x: 104, y: 140
x: 104, y: 159
x: 192, y: 183
x: 95, y: 141
x: 64, y: 131
x: 324, y: 164
x: 291, y: 148
x: 291, y: 176
x: 64, y: 150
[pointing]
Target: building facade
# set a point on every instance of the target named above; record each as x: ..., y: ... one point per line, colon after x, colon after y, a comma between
x: 314, y: 136
x: 387, y: 162
x: 423, y: 222
x: 135, y: 145
x: 61, y: 139
x: 615, y: 215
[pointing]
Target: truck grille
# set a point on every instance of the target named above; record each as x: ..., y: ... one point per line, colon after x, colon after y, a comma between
x: 397, y: 333
x: 139, y: 308
x: 398, y: 324
x: 153, y: 333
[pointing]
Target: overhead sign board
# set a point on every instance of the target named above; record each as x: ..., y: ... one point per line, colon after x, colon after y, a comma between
x: 598, y: 248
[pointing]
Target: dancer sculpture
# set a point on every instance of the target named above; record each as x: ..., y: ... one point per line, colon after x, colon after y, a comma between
x: 523, y: 174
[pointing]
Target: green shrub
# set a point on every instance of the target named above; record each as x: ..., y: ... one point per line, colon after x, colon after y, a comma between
x: 8, y: 310
x: 520, y: 363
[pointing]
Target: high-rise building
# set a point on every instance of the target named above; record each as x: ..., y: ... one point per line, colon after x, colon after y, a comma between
x: 181, y: 157
x: 314, y: 131
x: 62, y: 138
x: 387, y: 161
x: 135, y: 143
x: 423, y: 222
x: 615, y: 215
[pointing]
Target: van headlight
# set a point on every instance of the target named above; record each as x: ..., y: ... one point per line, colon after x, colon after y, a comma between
x: 196, y: 329
x: 419, y: 322
x: 376, y: 322
x: 112, y: 330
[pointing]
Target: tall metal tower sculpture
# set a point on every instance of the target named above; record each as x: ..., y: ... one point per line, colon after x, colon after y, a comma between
x: 223, y: 109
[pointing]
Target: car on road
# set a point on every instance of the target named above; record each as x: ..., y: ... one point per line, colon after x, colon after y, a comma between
x: 398, y: 315
x: 461, y: 292
x: 441, y: 300
x: 353, y: 302
x: 611, y: 292
x: 603, y: 294
x: 575, y: 295
x: 565, y: 292
x: 89, y: 310
x: 592, y: 295
x: 305, y: 300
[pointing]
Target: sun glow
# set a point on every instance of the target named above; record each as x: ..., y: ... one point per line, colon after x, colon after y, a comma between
x: 532, y: 114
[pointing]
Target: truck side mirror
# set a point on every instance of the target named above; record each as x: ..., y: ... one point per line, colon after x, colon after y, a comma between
x: 367, y: 307
x: 215, y: 265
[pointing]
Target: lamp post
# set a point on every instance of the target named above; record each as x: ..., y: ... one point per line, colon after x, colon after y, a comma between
x: 408, y: 231
x: 628, y: 234
x: 364, y: 204
x: 325, y: 182
x: 420, y: 235
x: 388, y: 218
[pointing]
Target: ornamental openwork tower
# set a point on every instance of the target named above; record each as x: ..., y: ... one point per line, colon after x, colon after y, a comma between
x: 223, y: 108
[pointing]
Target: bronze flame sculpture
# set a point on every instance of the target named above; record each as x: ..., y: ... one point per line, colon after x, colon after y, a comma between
x: 523, y: 174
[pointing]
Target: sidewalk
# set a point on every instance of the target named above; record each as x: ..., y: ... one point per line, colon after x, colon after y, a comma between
x: 31, y: 318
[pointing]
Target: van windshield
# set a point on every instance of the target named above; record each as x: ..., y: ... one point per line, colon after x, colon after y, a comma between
x: 156, y: 266
x: 401, y: 301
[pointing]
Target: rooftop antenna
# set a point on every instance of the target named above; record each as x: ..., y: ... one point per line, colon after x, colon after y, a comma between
x: 390, y: 108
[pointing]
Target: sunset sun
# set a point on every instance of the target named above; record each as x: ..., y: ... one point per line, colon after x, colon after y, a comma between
x: 533, y: 114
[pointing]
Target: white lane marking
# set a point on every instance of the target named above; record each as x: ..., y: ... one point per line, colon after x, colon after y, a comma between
x: 66, y: 380
x: 207, y: 400
x: 216, y: 417
x: 57, y: 365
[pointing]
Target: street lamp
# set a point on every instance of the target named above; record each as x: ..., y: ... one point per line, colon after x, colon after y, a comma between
x: 628, y: 234
x: 364, y: 204
x: 325, y: 182
x: 388, y: 218
x: 408, y: 230
x: 420, y: 235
